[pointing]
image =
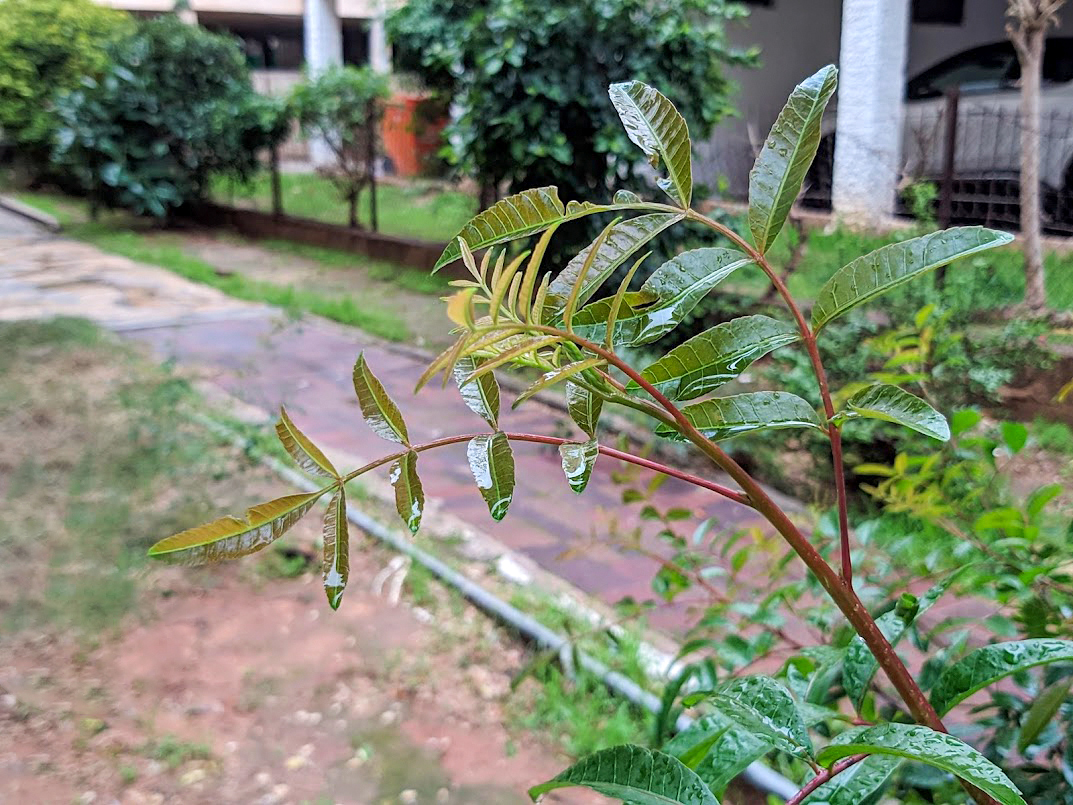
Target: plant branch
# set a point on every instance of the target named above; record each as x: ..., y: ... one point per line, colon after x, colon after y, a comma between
x: 823, y: 777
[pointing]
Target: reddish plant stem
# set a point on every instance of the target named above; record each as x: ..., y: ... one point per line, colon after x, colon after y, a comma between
x: 823, y: 777
x: 809, y: 338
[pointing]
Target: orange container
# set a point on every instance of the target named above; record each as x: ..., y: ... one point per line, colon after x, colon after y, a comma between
x: 411, y: 141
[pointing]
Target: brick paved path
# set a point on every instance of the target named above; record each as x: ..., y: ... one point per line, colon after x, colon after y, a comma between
x: 259, y: 356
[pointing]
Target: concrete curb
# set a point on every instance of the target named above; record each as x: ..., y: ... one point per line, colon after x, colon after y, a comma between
x: 30, y: 213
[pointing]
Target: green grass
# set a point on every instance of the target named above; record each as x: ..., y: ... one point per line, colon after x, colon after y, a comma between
x: 1055, y: 437
x: 410, y: 211
x: 174, y: 752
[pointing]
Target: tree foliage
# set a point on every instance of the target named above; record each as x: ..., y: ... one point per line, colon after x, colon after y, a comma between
x: 341, y: 108
x: 48, y: 46
x: 174, y: 107
x: 529, y: 81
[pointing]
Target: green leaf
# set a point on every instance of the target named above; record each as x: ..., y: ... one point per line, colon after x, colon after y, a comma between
x: 578, y: 461
x: 584, y: 407
x: 859, y: 666
x: 557, y: 376
x: 517, y: 216
x: 409, y: 496
x: 1015, y: 435
x: 671, y: 292
x: 775, y: 180
x: 925, y: 746
x: 728, y: 750
x: 710, y: 359
x: 638, y: 776
x: 229, y: 537
x: 336, y: 566
x: 861, y: 784
x: 724, y: 417
x: 890, y: 266
x: 481, y: 394
x: 380, y: 412
x: 305, y: 454
x: 987, y: 665
x: 892, y: 404
x: 620, y: 242
x: 657, y: 128
x: 1042, y: 711
x: 765, y: 709
x: 492, y: 464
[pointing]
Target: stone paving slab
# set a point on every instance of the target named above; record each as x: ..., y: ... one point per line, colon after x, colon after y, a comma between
x: 265, y: 359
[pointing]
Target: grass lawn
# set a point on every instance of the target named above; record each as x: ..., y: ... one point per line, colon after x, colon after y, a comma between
x: 412, y: 211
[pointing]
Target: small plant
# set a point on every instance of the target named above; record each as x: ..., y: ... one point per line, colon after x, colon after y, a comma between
x: 511, y: 312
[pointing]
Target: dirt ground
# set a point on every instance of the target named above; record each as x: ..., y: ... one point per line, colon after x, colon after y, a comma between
x: 123, y: 681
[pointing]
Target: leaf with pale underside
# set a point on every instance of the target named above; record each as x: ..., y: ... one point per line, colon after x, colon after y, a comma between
x: 860, y: 784
x: 522, y: 214
x: 578, y: 460
x: 775, y: 180
x: 765, y: 709
x: 924, y: 746
x: 492, y: 464
x: 657, y: 128
x: 379, y: 410
x: 305, y: 454
x: 989, y: 664
x: 890, y: 266
x: 584, y: 407
x: 708, y: 360
x: 557, y: 375
x: 667, y: 296
x: 892, y: 404
x: 336, y: 567
x: 481, y: 394
x: 621, y: 241
x: 229, y: 537
x: 634, y: 774
x: 724, y: 417
x: 409, y: 496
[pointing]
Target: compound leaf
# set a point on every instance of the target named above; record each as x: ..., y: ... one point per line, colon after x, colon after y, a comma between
x: 765, y: 709
x: 724, y: 417
x: 305, y: 454
x: 409, y: 496
x: 380, y: 412
x: 892, y: 404
x: 557, y: 375
x: 336, y: 566
x: 492, y: 464
x: 728, y: 750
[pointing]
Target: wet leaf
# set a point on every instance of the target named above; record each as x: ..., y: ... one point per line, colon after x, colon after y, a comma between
x: 765, y: 709
x: 862, y: 784
x: 558, y: 375
x: 987, y: 665
x: 305, y: 454
x: 892, y: 404
x: 728, y: 750
x: 492, y: 464
x: 380, y: 412
x: 925, y: 746
x: 656, y: 127
x: 623, y: 240
x: 584, y: 407
x: 890, y: 266
x: 336, y: 549
x: 1042, y: 711
x: 638, y: 776
x: 668, y: 295
x: 229, y: 537
x: 578, y: 460
x: 775, y: 180
x: 724, y: 417
x: 409, y: 496
x: 707, y: 361
x: 517, y: 216
x: 481, y: 395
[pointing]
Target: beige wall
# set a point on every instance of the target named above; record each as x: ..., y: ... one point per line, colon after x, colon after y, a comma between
x: 347, y: 9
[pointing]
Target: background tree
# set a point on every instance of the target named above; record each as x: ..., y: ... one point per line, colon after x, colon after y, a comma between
x: 1027, y: 29
x: 341, y: 108
x: 47, y: 46
x: 174, y: 108
x: 529, y: 81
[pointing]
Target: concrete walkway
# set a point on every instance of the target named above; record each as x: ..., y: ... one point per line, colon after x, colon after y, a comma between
x: 257, y: 355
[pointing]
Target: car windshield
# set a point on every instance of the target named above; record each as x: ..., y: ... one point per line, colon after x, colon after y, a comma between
x: 990, y: 68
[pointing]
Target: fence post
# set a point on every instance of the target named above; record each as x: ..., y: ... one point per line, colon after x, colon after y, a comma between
x: 277, y: 187
x: 370, y: 166
x: 946, y: 190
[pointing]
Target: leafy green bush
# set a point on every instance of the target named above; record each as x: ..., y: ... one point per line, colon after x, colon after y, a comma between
x: 341, y: 107
x: 48, y: 46
x: 174, y: 108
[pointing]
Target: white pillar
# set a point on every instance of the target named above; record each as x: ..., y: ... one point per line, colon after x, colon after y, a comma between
x: 322, y: 40
x: 379, y: 50
x: 875, y: 41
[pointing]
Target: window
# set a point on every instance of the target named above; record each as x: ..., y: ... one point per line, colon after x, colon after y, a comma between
x: 938, y: 12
